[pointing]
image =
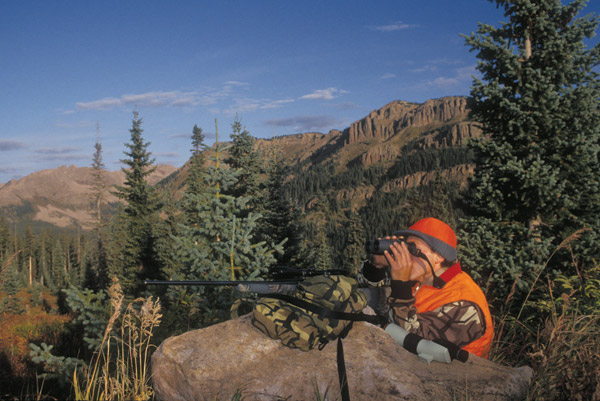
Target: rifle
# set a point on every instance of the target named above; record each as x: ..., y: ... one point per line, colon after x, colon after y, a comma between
x: 285, y: 279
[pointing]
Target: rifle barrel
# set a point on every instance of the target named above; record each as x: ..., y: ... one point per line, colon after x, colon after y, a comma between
x: 213, y: 283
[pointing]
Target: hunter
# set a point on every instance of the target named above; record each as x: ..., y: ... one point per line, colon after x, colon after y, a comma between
x: 426, y: 291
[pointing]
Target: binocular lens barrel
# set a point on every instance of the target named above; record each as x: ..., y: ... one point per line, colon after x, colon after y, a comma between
x: 378, y: 246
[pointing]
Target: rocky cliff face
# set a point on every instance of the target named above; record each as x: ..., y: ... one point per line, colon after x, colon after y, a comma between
x: 396, y: 116
x: 380, y: 135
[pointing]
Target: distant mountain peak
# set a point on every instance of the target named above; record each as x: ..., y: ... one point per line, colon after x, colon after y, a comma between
x: 61, y: 196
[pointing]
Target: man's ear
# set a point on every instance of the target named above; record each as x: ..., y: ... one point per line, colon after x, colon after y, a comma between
x: 437, y: 258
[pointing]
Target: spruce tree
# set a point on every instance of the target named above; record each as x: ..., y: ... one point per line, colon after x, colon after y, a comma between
x: 135, y: 258
x: 279, y: 224
x: 244, y: 157
x: 218, y: 245
x: 194, y: 180
x: 536, y: 178
x: 11, y: 285
x: 98, y: 269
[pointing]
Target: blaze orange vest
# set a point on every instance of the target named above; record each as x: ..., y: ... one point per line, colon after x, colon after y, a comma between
x: 459, y: 287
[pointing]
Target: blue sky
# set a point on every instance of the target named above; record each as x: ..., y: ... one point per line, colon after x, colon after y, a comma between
x: 72, y: 68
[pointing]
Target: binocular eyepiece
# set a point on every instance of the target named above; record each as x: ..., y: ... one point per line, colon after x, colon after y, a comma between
x: 378, y: 246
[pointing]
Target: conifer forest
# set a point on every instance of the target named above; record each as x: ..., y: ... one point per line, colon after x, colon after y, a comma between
x: 528, y: 223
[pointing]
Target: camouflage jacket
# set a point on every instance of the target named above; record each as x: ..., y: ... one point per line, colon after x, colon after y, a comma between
x: 460, y: 322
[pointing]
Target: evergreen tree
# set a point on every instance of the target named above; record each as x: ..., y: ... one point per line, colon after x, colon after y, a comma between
x: 97, y: 268
x: 279, y: 224
x: 6, y: 241
x: 324, y: 253
x: 354, y: 250
x: 12, y: 283
x: 244, y: 157
x: 59, y: 264
x: 315, y: 250
x: 136, y: 257
x: 219, y: 245
x: 536, y: 180
x: 195, y: 178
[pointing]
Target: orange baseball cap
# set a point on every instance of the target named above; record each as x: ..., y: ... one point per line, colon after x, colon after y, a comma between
x: 437, y: 234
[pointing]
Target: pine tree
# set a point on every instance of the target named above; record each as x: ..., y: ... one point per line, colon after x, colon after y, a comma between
x: 135, y: 258
x: 536, y: 180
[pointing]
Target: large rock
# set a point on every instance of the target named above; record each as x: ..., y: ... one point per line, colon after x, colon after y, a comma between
x: 216, y: 362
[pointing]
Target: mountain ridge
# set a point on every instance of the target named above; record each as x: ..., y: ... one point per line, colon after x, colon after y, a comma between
x: 384, y: 137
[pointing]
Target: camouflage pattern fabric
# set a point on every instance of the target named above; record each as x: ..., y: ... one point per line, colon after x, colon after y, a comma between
x: 299, y: 328
x: 241, y: 306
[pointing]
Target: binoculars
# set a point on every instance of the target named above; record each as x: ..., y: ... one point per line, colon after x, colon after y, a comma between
x: 378, y: 246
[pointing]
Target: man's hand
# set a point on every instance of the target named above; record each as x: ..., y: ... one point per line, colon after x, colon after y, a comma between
x: 400, y: 261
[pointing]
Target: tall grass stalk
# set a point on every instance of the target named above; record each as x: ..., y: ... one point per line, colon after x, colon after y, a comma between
x: 565, y: 327
x: 120, y: 368
x: 564, y: 244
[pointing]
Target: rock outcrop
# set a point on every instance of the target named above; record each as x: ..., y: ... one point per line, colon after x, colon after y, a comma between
x: 216, y: 362
x: 398, y: 115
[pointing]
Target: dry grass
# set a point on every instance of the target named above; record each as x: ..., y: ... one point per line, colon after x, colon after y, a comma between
x: 120, y: 369
x: 565, y: 325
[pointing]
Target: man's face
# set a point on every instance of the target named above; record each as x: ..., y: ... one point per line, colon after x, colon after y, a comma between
x: 421, y: 271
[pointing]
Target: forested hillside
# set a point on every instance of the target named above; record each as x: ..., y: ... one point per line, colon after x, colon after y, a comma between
x: 399, y: 163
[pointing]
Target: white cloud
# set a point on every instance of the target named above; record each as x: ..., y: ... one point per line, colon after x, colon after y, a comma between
x: 226, y: 99
x: 236, y: 83
x: 425, y: 68
x: 276, y: 103
x: 467, y: 72
x: 156, y: 99
x: 248, y: 105
x: 461, y: 75
x: 443, y: 81
x: 242, y: 105
x: 397, y: 26
x: 388, y: 75
x: 102, y: 104
x: 324, y: 94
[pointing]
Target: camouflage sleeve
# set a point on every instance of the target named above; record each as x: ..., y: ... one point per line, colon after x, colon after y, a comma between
x: 460, y: 322
x: 370, y: 276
